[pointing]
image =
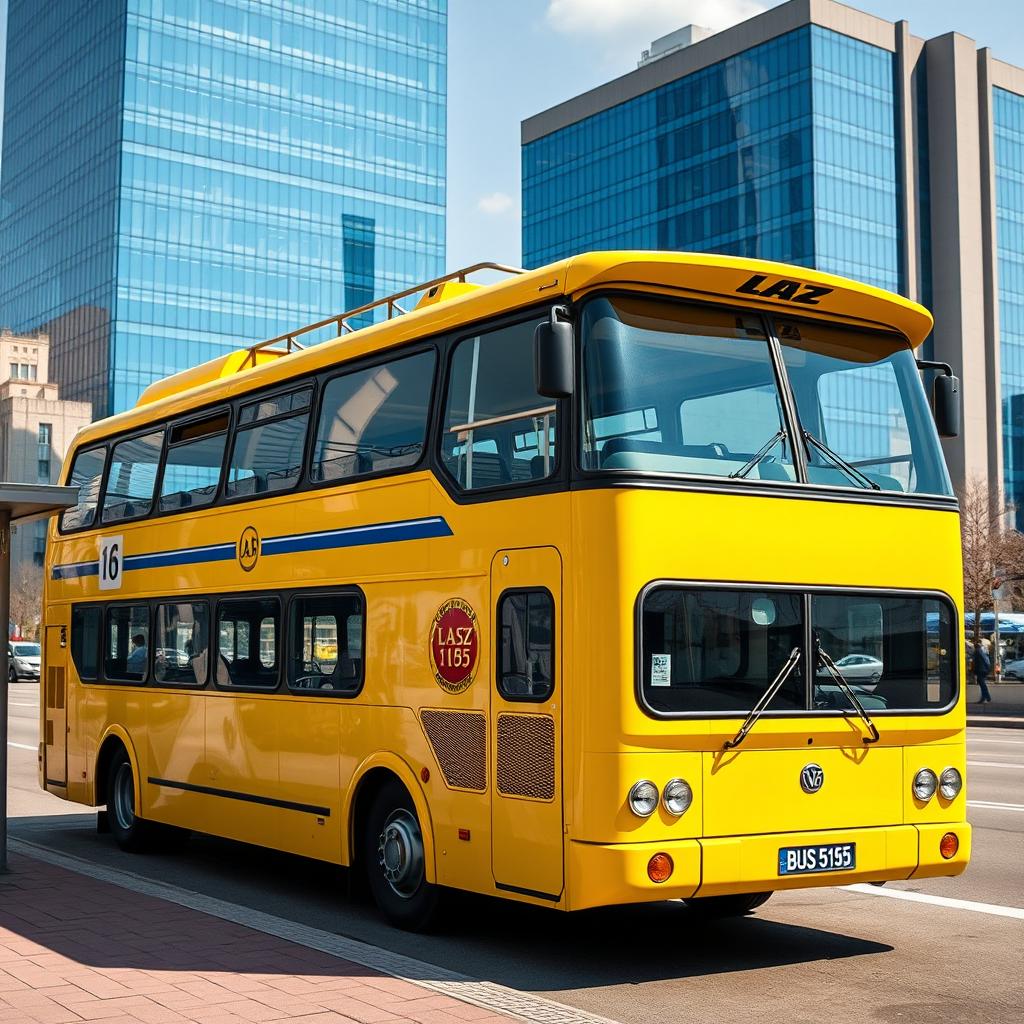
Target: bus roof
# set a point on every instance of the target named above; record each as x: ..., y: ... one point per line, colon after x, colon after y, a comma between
x: 453, y: 303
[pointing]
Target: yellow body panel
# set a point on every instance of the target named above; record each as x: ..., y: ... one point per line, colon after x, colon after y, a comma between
x: 594, y: 550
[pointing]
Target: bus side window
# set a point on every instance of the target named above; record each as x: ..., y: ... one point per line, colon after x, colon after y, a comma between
x: 132, y: 477
x: 126, y: 644
x: 498, y: 429
x: 326, y: 644
x: 269, y: 444
x: 374, y: 420
x: 181, y: 650
x: 85, y: 640
x: 86, y: 475
x: 526, y: 659
x: 247, y: 643
x: 195, y: 453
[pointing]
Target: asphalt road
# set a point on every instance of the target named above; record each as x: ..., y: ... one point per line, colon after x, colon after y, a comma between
x: 818, y: 955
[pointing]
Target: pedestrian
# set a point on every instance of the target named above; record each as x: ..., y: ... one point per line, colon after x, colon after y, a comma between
x: 982, y: 667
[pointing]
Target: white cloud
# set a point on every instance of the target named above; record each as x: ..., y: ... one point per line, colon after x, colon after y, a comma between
x: 494, y: 203
x: 646, y: 19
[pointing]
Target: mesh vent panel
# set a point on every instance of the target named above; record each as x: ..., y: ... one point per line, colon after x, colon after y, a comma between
x: 526, y: 756
x: 459, y: 741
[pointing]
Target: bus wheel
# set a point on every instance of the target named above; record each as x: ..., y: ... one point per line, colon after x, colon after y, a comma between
x: 395, y: 861
x: 129, y: 830
x: 728, y: 906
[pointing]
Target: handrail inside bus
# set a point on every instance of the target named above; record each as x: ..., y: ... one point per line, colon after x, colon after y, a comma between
x: 341, y: 320
x: 462, y: 429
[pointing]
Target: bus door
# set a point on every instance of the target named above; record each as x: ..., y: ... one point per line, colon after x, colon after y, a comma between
x: 526, y: 722
x: 55, y: 712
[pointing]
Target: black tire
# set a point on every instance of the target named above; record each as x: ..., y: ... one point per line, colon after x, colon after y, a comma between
x: 11, y: 674
x: 728, y: 906
x: 394, y: 862
x: 131, y: 832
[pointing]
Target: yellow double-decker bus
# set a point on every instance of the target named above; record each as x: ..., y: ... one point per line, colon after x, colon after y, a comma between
x: 636, y: 577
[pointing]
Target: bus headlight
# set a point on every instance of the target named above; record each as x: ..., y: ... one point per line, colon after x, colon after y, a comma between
x: 677, y: 796
x: 925, y: 784
x: 643, y: 798
x: 950, y: 783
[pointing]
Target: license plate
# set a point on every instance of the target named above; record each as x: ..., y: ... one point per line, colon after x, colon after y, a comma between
x: 802, y: 860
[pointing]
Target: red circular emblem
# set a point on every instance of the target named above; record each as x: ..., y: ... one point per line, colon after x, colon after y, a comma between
x: 454, y: 645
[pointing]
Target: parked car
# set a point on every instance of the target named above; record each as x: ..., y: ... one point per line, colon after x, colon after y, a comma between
x: 22, y: 660
x: 860, y: 668
x: 1013, y: 669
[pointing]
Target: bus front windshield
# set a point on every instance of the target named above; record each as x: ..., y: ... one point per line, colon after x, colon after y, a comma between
x: 671, y: 388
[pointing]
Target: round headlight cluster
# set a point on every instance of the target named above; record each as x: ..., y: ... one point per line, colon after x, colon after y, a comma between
x: 643, y: 798
x: 677, y: 796
x: 950, y: 783
x: 925, y: 784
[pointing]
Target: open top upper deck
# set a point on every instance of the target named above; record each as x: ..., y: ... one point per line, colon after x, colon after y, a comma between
x: 450, y: 306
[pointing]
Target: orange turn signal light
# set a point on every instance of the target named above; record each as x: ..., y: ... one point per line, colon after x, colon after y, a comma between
x: 948, y: 845
x: 659, y: 867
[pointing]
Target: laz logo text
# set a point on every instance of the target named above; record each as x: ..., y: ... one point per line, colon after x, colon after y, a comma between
x: 790, y: 291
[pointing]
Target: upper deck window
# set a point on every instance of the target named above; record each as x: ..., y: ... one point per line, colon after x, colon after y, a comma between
x: 195, y: 454
x: 269, y: 443
x: 860, y: 393
x: 86, y: 475
x: 374, y: 420
x: 498, y: 430
x: 132, y: 477
x: 670, y: 388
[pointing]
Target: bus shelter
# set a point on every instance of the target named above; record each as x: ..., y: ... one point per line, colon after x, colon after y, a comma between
x: 19, y: 503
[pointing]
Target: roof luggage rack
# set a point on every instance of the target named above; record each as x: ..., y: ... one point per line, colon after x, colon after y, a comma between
x: 290, y: 340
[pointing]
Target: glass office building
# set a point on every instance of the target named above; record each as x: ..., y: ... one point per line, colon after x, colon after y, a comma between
x: 185, y: 177
x: 818, y: 135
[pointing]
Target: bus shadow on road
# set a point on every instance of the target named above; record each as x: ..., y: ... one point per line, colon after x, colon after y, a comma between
x: 523, y: 947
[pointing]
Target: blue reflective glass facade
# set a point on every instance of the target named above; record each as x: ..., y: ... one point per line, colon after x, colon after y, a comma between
x: 1008, y: 125
x: 199, y: 174
x: 785, y: 151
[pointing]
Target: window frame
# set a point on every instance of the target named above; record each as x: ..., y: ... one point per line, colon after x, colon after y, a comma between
x: 100, y: 607
x: 183, y: 421
x: 157, y: 603
x: 112, y: 445
x: 801, y: 488
x: 299, y: 595
x: 290, y: 387
x: 96, y: 524
x: 218, y: 600
x: 359, y: 366
x: 499, y: 640
x: 108, y: 607
x: 557, y: 480
x: 806, y: 593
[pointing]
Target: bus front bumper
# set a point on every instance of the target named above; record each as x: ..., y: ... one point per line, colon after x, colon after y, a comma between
x: 606, y: 874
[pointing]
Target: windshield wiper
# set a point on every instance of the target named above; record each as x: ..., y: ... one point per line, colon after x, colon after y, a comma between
x: 766, y: 698
x: 779, y: 435
x: 840, y: 463
x: 833, y: 671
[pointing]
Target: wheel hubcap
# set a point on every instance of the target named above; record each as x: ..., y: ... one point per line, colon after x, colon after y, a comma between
x: 124, y: 797
x: 400, y: 853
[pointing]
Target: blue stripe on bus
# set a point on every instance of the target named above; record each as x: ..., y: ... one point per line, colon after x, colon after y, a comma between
x: 379, y: 533
x: 353, y: 536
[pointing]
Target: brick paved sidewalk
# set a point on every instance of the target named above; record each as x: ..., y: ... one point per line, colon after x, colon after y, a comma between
x: 73, y: 948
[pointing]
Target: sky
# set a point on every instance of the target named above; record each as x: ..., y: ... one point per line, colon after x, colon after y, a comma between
x: 510, y: 60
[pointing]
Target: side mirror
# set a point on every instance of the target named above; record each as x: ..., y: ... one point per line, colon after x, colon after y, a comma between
x: 553, y: 360
x: 945, y: 398
x: 946, y: 403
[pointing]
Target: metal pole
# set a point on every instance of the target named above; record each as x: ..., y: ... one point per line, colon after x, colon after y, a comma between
x: 5, y: 618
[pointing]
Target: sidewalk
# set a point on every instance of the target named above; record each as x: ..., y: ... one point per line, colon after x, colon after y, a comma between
x: 73, y: 948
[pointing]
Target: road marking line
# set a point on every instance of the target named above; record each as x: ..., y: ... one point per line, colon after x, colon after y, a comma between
x: 995, y: 805
x: 937, y: 901
x: 995, y: 764
x: 976, y: 739
x: 15, y: 704
x: 21, y: 746
x: 486, y: 994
